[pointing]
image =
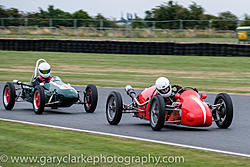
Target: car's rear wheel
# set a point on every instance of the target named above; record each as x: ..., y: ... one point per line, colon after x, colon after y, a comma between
x: 9, y: 96
x: 38, y: 100
x: 114, y: 108
x: 91, y: 97
x: 223, y: 115
x: 157, y: 112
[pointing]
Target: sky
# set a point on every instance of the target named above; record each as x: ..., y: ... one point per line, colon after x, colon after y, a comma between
x: 115, y: 8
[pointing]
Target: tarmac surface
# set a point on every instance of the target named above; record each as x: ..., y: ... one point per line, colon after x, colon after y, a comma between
x: 234, y: 139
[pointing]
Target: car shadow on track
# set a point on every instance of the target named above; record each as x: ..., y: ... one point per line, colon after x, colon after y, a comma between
x: 58, y: 111
x: 174, y: 127
x: 46, y: 112
x: 18, y: 110
x: 185, y: 128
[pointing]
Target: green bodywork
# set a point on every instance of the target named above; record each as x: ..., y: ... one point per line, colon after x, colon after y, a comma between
x: 63, y: 94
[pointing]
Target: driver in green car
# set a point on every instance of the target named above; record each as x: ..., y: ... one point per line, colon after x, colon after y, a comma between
x: 44, y: 71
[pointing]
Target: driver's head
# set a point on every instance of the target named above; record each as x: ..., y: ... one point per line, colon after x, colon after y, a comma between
x: 163, y: 86
x: 44, y: 70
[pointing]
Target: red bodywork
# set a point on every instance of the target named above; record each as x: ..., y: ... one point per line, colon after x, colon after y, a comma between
x: 195, y: 112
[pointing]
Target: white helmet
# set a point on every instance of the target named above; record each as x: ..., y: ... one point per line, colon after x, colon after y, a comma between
x: 163, y: 86
x: 44, y: 70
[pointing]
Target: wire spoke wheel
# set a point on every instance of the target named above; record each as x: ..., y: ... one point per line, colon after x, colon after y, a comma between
x: 111, y: 108
x: 91, y: 98
x: 157, y: 112
x: 114, y: 107
x: 223, y: 114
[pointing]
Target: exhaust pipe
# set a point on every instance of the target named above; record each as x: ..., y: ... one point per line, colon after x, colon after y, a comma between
x: 130, y: 91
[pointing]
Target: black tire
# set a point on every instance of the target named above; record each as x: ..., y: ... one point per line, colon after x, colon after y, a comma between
x: 9, y: 96
x: 114, y: 107
x: 157, y: 112
x: 91, y: 97
x: 223, y: 116
x: 38, y: 100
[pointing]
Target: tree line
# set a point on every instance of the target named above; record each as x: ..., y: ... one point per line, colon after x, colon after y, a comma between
x: 169, y: 15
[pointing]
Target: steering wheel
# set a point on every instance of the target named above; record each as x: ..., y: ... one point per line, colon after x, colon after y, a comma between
x: 176, y: 88
x: 187, y: 87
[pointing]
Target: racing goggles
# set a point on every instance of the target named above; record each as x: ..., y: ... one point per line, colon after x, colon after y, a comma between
x: 45, y: 71
x: 166, y: 90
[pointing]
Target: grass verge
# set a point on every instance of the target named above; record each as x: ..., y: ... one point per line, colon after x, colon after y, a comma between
x: 211, y: 74
x: 20, y: 140
x: 201, y: 40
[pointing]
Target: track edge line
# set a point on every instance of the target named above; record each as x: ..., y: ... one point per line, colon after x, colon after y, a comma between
x: 130, y: 137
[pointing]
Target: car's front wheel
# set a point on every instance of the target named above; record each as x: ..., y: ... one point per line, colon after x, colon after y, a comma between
x: 223, y: 115
x: 157, y: 112
x: 38, y: 100
x: 114, y: 108
x: 91, y: 98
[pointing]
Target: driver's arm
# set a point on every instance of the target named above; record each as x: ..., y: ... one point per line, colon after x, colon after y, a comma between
x: 36, y: 82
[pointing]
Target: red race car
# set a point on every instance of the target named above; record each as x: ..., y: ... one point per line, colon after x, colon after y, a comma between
x: 187, y: 108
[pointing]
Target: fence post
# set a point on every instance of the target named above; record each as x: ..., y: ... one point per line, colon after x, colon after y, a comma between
x: 130, y: 29
x: 238, y: 23
x: 101, y: 24
x: 210, y: 25
x: 210, y: 28
x: 75, y: 26
x: 25, y: 22
x: 181, y: 24
x: 153, y: 28
x: 101, y: 27
x: 50, y: 23
x: 20, y: 30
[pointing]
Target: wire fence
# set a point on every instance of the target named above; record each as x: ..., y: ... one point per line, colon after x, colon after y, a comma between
x: 120, y: 29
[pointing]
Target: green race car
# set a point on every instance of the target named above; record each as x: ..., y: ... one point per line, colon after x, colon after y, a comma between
x: 53, y: 94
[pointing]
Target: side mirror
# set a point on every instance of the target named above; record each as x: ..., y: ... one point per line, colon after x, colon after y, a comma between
x: 177, y: 96
x: 203, y: 96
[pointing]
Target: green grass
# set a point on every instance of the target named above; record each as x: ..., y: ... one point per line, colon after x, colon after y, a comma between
x: 26, y: 140
x: 211, y: 74
x: 202, y: 40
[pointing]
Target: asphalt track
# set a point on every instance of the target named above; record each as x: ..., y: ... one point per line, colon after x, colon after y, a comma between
x: 235, y: 139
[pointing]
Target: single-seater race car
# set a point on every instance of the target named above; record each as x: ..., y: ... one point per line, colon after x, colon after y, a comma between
x: 187, y: 108
x: 53, y: 94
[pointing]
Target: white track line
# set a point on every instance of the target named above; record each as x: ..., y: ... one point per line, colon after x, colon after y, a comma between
x: 130, y: 137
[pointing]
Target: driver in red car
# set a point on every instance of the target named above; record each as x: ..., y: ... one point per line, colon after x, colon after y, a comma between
x: 44, y: 71
x: 166, y: 90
